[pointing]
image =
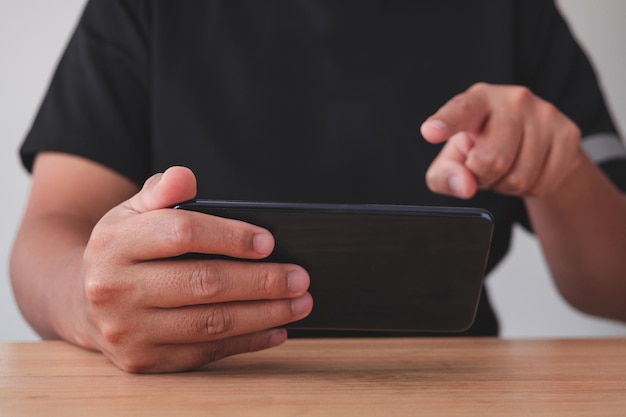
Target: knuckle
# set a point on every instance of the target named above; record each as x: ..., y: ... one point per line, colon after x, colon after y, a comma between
x: 521, y: 96
x: 207, y: 281
x: 100, y: 292
x: 550, y: 111
x: 548, y: 115
x: 114, y: 334
x: 137, y: 363
x: 180, y: 233
x: 124, y: 348
x: 492, y: 163
x: 267, y: 280
x: 215, y: 322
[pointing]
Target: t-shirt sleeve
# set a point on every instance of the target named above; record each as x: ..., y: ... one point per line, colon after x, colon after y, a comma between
x: 554, y: 66
x: 98, y: 102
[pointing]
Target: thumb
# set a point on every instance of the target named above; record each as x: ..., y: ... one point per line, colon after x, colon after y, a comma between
x: 175, y: 185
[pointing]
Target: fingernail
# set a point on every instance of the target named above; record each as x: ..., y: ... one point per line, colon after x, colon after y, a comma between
x: 263, y: 243
x: 438, y: 124
x: 277, y: 337
x: 301, y: 305
x: 297, y: 281
x: 456, y: 185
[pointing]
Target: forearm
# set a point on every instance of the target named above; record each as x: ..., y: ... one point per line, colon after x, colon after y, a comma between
x: 582, y: 229
x: 46, y: 275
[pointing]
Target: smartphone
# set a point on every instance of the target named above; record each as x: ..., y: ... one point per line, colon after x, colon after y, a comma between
x: 377, y: 267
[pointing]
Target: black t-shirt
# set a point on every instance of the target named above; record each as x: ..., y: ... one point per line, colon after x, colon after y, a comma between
x: 307, y: 100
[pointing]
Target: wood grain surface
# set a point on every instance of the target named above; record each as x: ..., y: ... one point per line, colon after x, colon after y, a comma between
x: 331, y: 377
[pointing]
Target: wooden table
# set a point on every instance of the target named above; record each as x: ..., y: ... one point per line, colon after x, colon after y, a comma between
x: 361, y: 377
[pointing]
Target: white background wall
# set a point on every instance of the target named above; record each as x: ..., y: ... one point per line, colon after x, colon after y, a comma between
x: 34, y: 32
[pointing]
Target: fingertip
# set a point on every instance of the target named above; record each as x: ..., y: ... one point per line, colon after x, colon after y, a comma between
x: 165, y: 189
x: 460, y: 187
x: 435, y: 130
x: 302, y: 306
x: 181, y: 179
x: 448, y: 177
x: 263, y: 243
x: 277, y: 337
x: 438, y: 125
x: 298, y: 281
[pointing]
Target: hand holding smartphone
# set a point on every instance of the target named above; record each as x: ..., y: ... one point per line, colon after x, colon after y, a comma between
x: 377, y: 267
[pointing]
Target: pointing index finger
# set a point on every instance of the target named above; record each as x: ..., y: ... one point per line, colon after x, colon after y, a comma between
x: 466, y: 112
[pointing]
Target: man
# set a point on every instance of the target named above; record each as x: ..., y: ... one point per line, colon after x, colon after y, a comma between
x: 314, y: 101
